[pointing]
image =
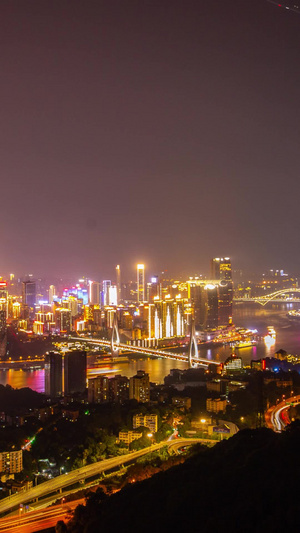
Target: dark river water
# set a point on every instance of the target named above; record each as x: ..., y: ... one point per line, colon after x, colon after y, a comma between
x: 246, y: 315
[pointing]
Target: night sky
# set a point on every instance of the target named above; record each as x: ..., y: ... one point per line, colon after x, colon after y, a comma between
x: 159, y: 131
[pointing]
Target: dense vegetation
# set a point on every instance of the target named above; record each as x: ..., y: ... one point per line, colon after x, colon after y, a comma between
x: 247, y: 484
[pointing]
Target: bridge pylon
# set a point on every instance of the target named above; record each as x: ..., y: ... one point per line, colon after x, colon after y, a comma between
x: 115, y: 337
x: 193, y: 346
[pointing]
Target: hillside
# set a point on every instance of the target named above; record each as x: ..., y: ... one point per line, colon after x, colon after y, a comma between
x: 246, y: 484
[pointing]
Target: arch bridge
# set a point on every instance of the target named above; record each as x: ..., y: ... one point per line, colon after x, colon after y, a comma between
x: 277, y: 296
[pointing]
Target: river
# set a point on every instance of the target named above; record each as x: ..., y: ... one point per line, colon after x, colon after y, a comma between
x: 246, y: 315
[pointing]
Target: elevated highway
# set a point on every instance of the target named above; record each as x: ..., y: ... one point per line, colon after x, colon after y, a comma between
x: 71, y: 478
x: 277, y: 417
x: 75, y: 476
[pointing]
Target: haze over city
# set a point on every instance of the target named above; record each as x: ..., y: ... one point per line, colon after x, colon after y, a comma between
x: 149, y: 267
x: 161, y: 132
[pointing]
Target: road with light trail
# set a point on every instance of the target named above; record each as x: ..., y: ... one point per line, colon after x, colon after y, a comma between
x: 277, y: 416
x: 71, y: 478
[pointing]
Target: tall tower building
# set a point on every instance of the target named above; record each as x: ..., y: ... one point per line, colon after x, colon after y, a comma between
x: 153, y: 289
x: 52, y: 293
x: 119, y: 287
x: 225, y: 297
x: 94, y: 292
x: 62, y: 317
x: 53, y: 374
x: 29, y: 294
x: 212, y: 306
x: 74, y: 372
x: 4, y: 297
x: 113, y: 295
x: 221, y: 268
x: 105, y: 291
x: 140, y: 283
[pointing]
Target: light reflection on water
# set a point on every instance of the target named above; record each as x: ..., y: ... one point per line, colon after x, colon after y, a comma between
x: 250, y: 316
x: 34, y: 379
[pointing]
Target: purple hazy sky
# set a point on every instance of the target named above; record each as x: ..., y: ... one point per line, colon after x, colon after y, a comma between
x: 156, y: 131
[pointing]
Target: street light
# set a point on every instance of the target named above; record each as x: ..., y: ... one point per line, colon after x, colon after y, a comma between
x: 20, y: 510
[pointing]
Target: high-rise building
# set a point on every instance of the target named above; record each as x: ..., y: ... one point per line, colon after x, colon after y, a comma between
x: 106, y: 283
x: 119, y: 389
x: 4, y: 297
x: 140, y: 283
x: 51, y: 293
x: 53, y: 374
x: 73, y: 305
x: 3, y: 335
x: 74, y: 372
x: 63, y: 320
x: 225, y: 296
x: 139, y: 387
x: 166, y: 318
x: 94, y: 292
x: 29, y: 295
x: 113, y: 295
x: 44, y: 322
x: 2, y: 321
x: 211, y: 302
x: 153, y: 289
x: 11, y: 462
x: 119, y: 286
x: 98, y: 389
x: 198, y: 298
x: 212, y: 317
x: 221, y: 268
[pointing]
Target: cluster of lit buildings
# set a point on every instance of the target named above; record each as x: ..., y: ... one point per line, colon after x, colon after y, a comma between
x: 119, y: 389
x: 147, y: 311
x: 271, y: 281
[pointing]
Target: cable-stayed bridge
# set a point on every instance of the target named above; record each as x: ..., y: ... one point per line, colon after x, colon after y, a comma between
x: 115, y: 346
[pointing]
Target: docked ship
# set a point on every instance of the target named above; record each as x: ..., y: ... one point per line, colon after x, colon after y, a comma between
x: 112, y: 359
x: 271, y: 332
x: 245, y: 344
x: 270, y: 338
x: 294, y: 314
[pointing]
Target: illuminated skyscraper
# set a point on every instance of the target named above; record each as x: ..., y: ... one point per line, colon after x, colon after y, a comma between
x: 51, y: 292
x: 153, y: 288
x: 212, y: 316
x: 29, y: 295
x: 198, y: 297
x: 166, y: 318
x: 105, y: 291
x: 225, y: 296
x: 221, y: 268
x: 4, y: 299
x: 211, y: 302
x: 94, y: 292
x: 119, y: 287
x: 140, y: 283
x: 62, y: 319
x: 2, y: 321
x: 113, y: 295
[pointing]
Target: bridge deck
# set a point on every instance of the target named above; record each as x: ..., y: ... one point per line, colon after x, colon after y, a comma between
x: 146, y: 351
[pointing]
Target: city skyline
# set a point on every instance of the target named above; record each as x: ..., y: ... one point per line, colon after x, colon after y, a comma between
x: 165, y: 133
